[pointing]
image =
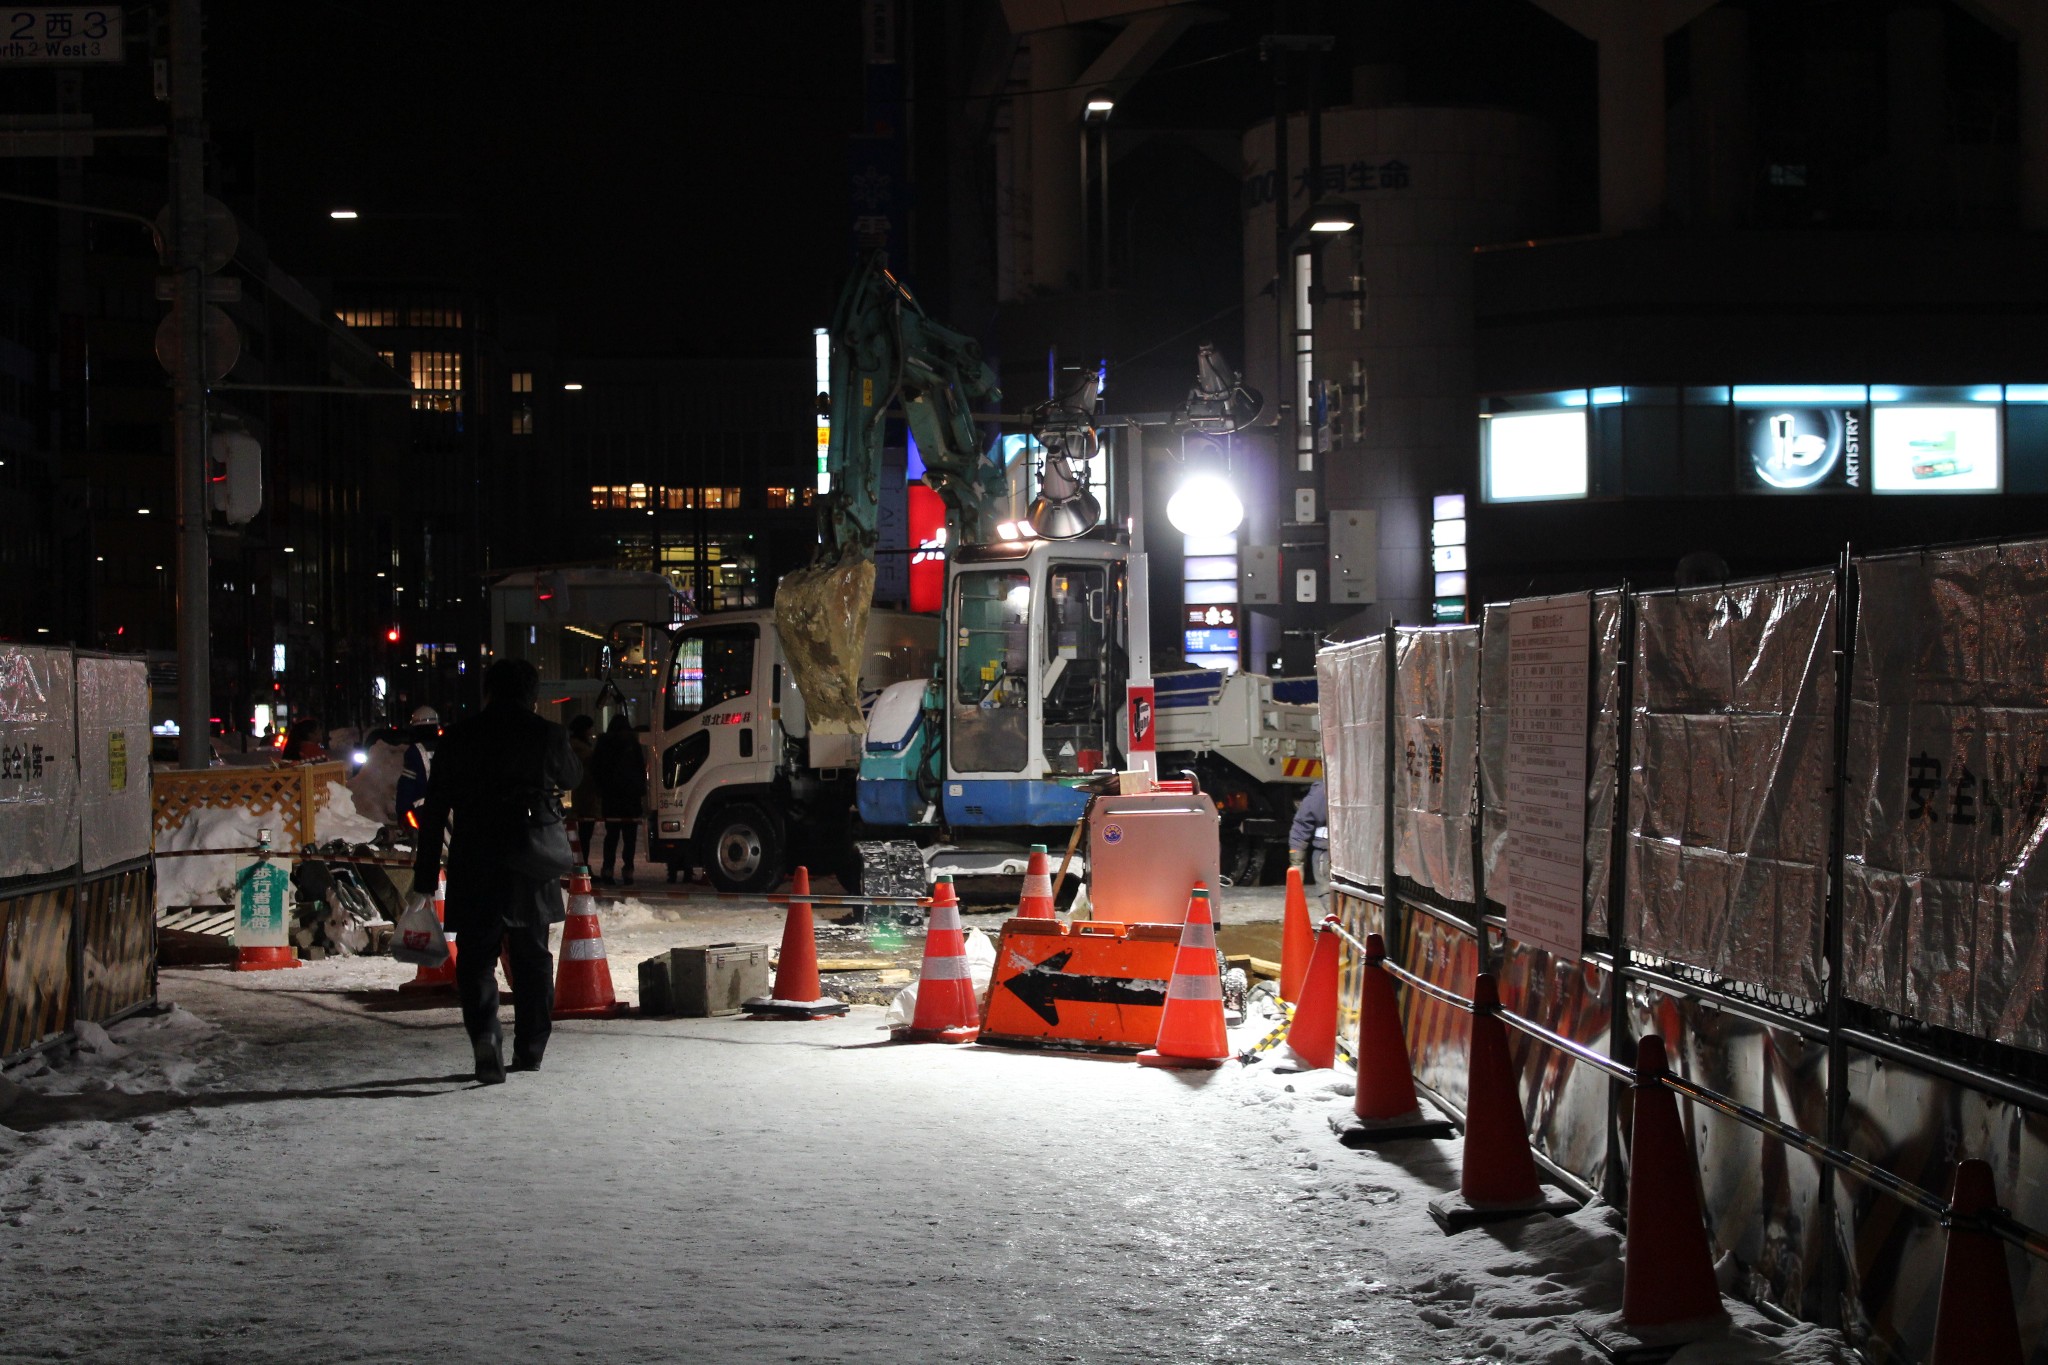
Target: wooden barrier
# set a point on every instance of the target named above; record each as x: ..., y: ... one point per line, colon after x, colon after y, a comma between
x: 293, y: 792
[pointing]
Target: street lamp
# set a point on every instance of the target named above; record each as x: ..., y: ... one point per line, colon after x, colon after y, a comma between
x: 1205, y: 504
x: 1333, y: 215
x: 343, y: 215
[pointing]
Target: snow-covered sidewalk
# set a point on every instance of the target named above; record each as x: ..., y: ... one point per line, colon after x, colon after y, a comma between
x: 295, y: 1166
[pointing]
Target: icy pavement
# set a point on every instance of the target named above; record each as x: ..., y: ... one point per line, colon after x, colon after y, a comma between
x: 295, y: 1166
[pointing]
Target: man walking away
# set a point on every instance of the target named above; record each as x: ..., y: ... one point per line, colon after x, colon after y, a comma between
x: 489, y: 772
x: 621, y: 767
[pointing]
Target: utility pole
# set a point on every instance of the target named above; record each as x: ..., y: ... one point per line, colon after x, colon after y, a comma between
x: 188, y: 303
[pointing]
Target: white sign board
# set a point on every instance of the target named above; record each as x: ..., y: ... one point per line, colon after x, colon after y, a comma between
x: 59, y: 35
x: 1548, y: 703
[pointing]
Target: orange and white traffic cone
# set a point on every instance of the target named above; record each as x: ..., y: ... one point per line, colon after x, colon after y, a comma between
x: 947, y: 1011
x: 797, y: 994
x: 443, y: 976
x: 1668, y: 1275
x: 1036, y: 902
x: 1974, y: 1318
x: 1498, y: 1181
x: 1313, y: 1032
x: 1384, y: 1107
x: 1297, y: 939
x: 583, y: 981
x: 1191, y: 1033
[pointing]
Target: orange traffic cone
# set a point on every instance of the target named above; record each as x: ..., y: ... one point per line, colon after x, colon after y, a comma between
x: 443, y: 976
x: 1384, y: 1107
x: 1036, y: 902
x: 1297, y: 940
x: 1313, y: 1033
x: 947, y: 1011
x: 1975, y: 1321
x: 797, y: 994
x: 1499, y: 1177
x: 1669, y: 1273
x: 1191, y: 1026
x: 583, y: 982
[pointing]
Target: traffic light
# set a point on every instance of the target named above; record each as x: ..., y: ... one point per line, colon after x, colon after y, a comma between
x: 234, y: 475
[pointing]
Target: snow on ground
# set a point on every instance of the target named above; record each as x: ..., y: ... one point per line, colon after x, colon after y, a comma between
x: 311, y: 1175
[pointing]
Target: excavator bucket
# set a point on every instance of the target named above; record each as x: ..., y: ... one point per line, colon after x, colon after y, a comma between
x: 821, y: 613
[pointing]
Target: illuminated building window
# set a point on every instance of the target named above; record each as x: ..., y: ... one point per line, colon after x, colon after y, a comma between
x: 437, y: 381
x: 636, y: 496
x: 368, y: 317
x: 781, y: 497
x: 433, y: 317
x: 522, y: 381
x: 522, y: 421
x: 615, y: 496
x: 389, y: 358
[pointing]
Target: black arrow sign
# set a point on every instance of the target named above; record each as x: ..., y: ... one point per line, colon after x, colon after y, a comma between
x: 1048, y: 983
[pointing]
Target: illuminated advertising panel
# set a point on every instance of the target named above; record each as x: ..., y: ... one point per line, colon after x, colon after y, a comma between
x: 1531, y: 455
x: 1211, y: 642
x: 1788, y: 449
x: 1935, y: 448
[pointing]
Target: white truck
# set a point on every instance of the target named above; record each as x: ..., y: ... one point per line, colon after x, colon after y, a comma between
x: 742, y: 785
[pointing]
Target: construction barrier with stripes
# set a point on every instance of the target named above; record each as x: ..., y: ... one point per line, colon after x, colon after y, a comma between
x: 1818, y: 882
x: 77, y: 920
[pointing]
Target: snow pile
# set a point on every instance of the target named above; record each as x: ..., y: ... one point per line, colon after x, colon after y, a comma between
x: 981, y: 969
x: 209, y: 881
x: 337, y: 816
x: 142, y: 1055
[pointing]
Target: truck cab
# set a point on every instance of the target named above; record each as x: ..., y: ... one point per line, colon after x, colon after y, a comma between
x: 743, y: 786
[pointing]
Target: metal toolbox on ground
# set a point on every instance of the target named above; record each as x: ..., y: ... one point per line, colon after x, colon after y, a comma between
x: 716, y: 978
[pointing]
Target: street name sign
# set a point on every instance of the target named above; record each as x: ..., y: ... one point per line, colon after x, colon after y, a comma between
x: 60, y: 35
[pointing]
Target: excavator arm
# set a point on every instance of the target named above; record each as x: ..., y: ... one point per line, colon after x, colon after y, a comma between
x: 886, y: 353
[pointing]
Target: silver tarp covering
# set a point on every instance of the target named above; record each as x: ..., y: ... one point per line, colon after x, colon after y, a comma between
x: 1351, y: 686
x: 38, y: 762
x: 1436, y: 736
x: 1605, y: 739
x: 1948, y: 791
x: 1732, y: 744
x: 113, y: 760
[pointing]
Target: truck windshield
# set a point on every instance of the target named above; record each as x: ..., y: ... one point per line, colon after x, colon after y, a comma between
x: 991, y: 671
x: 710, y: 667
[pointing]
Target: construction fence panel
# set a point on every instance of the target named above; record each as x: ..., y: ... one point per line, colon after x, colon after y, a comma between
x: 1436, y: 736
x: 38, y: 762
x: 113, y: 761
x: 1567, y: 1104
x: 1945, y: 871
x: 35, y: 966
x: 1604, y: 740
x: 117, y: 941
x: 1351, y: 687
x: 1732, y: 738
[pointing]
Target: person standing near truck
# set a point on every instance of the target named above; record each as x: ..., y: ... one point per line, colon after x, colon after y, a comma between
x: 621, y: 768
x: 1309, y: 817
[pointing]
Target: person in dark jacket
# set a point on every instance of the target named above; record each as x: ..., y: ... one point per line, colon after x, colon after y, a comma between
x: 621, y: 769
x: 1312, y: 814
x: 586, y: 807
x: 489, y: 771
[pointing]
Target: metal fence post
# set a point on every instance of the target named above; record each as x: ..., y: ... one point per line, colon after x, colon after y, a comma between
x: 1619, y: 1045
x: 1833, y: 1270
x: 1390, y: 900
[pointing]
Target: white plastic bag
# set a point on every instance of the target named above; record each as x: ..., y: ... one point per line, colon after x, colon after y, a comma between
x: 419, y: 938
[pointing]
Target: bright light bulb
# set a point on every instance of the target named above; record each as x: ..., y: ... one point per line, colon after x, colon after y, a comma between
x: 342, y: 215
x: 1206, y: 505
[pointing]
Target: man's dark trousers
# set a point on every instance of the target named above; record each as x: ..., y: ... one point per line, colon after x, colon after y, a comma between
x: 533, y: 985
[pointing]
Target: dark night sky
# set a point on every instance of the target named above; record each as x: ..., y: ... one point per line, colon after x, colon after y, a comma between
x: 654, y: 175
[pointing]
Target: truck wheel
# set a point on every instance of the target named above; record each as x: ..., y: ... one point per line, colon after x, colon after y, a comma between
x: 742, y: 849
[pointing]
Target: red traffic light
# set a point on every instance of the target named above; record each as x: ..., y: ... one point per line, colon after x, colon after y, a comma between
x: 392, y: 635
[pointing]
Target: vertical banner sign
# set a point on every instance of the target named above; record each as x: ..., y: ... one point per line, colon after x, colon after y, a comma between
x: 263, y: 918
x: 1143, y: 734
x: 1548, y: 700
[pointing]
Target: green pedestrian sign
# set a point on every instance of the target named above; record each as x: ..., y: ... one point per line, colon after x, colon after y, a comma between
x: 264, y: 920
